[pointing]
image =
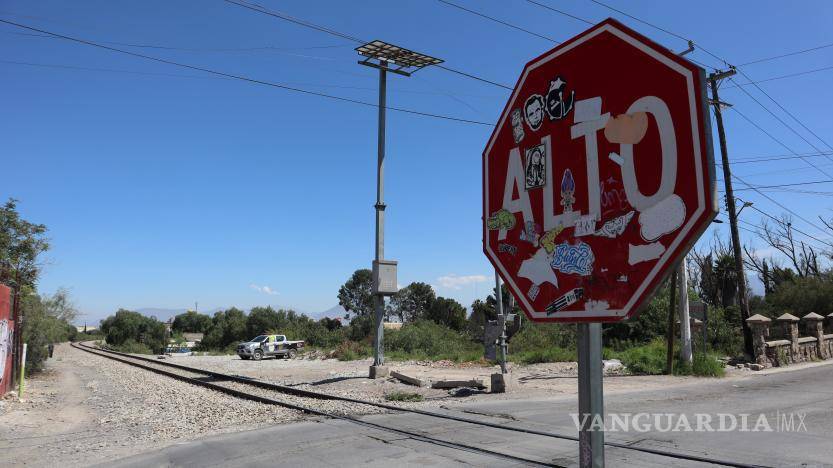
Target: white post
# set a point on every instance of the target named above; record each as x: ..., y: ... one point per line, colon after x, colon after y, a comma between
x: 685, y: 323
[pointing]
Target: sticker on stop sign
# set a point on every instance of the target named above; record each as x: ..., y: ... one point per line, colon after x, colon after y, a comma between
x: 598, y: 177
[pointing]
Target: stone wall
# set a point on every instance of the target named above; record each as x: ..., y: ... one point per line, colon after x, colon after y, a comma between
x: 804, y: 341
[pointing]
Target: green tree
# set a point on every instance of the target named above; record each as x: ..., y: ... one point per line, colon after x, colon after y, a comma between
x: 191, y: 322
x: 21, y: 242
x: 412, y: 302
x: 481, y: 313
x: 47, y: 322
x: 803, y: 295
x: 356, y: 295
x: 227, y: 327
x: 126, y: 328
x: 447, y: 312
x: 262, y: 320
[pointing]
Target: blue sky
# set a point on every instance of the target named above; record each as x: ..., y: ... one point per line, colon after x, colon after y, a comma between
x: 163, y: 186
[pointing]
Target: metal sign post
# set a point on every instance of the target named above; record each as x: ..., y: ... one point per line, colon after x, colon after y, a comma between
x: 590, y: 396
x: 501, y: 322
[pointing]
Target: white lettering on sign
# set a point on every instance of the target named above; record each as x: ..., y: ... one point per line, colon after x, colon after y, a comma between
x: 593, y: 121
x: 552, y: 220
x: 588, y: 122
x: 515, y: 180
x: 668, y: 142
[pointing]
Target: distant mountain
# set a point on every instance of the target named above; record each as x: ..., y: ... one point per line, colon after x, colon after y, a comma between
x: 335, y: 311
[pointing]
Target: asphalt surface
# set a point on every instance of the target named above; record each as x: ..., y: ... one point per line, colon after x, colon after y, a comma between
x: 805, y: 393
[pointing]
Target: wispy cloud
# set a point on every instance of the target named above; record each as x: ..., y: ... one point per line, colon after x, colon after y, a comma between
x: 452, y: 281
x: 264, y: 289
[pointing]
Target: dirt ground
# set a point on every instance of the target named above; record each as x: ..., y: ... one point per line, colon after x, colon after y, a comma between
x: 84, y: 410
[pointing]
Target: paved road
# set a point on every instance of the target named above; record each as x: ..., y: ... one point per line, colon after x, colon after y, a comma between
x: 806, y: 392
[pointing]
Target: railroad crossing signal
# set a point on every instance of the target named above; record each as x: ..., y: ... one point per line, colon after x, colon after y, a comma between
x: 598, y: 177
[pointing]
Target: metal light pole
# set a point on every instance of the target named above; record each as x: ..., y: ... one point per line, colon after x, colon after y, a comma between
x: 386, y: 58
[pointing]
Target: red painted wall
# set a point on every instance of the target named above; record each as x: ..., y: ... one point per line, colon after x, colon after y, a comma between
x: 6, y: 334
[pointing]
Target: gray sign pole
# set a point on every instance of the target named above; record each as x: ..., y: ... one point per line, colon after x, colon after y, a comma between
x: 590, y: 399
x: 379, y: 299
x: 501, y: 320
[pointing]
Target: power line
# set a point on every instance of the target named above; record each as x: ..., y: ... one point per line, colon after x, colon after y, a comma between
x: 780, y: 157
x: 791, y: 75
x: 563, y: 13
x: 107, y: 70
x: 333, y: 32
x: 767, y: 59
x: 174, y: 75
x: 788, y: 113
x: 477, y: 13
x: 784, y: 208
x: 779, y: 141
x: 300, y: 22
x: 560, y: 12
x: 244, y: 78
x: 756, y: 187
x: 192, y: 49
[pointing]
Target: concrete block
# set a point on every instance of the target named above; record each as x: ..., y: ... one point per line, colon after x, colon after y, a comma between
x: 478, y: 383
x: 409, y: 380
x: 502, y: 383
x: 379, y: 372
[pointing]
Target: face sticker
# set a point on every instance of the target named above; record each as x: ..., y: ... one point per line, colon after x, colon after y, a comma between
x: 534, y: 111
x: 616, y: 226
x: 573, y: 259
x: 568, y: 190
x: 536, y: 168
x: 566, y: 300
x: 643, y: 253
x: 531, y: 233
x: 501, y: 219
x: 662, y: 218
x: 585, y: 225
x: 508, y: 248
x: 557, y: 106
x: 517, y: 120
x: 548, y: 239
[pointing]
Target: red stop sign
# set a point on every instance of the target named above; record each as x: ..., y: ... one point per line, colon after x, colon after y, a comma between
x: 598, y: 177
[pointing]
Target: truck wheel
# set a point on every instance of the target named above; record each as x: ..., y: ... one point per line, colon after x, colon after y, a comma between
x: 291, y: 354
x: 258, y: 355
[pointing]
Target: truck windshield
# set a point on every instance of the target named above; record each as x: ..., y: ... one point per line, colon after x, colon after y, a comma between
x: 260, y: 338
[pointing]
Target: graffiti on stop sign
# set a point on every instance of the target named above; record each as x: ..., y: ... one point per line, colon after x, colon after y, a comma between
x: 598, y: 176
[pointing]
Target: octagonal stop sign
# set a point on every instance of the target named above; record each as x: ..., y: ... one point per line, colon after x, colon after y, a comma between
x: 598, y: 177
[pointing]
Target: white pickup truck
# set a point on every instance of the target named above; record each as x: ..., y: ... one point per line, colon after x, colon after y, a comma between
x: 269, y: 345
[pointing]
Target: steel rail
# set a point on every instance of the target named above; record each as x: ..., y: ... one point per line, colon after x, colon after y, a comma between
x: 324, y: 396
x: 304, y: 409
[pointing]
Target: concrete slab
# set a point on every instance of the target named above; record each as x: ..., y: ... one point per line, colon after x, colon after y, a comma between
x: 410, y: 380
x: 477, y: 383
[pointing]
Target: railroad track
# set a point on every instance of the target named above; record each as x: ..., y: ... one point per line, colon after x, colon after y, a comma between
x: 305, y: 401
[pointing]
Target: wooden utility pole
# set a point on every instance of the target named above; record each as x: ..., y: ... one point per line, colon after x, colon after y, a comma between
x: 743, y: 300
